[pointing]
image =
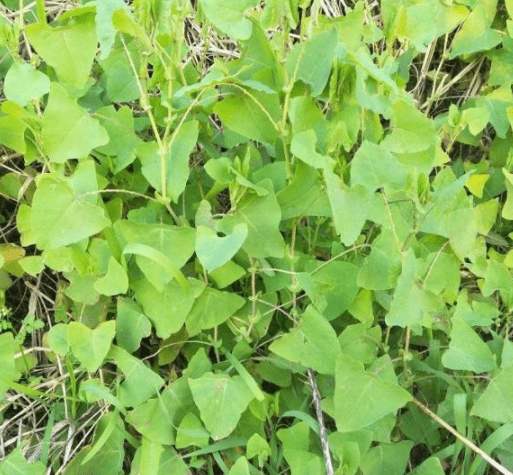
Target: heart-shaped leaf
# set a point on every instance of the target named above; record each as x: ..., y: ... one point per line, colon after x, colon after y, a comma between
x: 214, y: 251
x: 90, y: 347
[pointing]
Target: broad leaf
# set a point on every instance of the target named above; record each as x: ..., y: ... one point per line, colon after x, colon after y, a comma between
x: 24, y: 84
x: 373, y: 167
x: 60, y: 217
x: 81, y: 134
x: 221, y: 401
x: 168, y: 309
x: 7, y: 351
x: 69, y: 49
x: 90, y: 347
x: 229, y: 16
x: 173, y: 160
x: 496, y: 403
x: 131, y: 325
x: 254, y: 115
x: 313, y: 343
x: 114, y: 282
x: 313, y: 60
x: 214, y: 251
x: 362, y: 398
x: 15, y: 464
x: 262, y: 216
x: 140, y: 382
x: 212, y: 308
x: 467, y: 352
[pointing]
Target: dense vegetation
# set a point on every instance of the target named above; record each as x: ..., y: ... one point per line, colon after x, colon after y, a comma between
x: 256, y: 237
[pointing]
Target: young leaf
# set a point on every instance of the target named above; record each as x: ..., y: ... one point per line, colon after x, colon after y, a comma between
x: 114, y: 282
x: 253, y: 115
x: 262, y: 216
x: 24, y: 84
x: 131, y: 325
x: 81, y: 134
x: 406, y: 309
x: 221, y: 401
x: 313, y: 60
x: 168, y: 309
x: 140, y: 382
x: 212, y: 308
x: 229, y: 16
x: 374, y: 167
x: 362, y: 398
x: 467, y: 352
x: 214, y: 251
x: 496, y: 403
x: 313, y: 343
x: 90, y: 347
x: 176, y: 160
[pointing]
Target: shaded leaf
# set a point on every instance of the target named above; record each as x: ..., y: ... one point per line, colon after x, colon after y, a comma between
x: 221, y: 401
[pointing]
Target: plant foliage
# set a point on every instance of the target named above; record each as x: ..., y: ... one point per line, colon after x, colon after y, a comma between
x: 215, y: 211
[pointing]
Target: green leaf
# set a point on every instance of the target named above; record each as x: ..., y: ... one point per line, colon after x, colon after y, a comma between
x: 168, y: 309
x: 412, y: 131
x: 374, y: 167
x: 228, y: 16
x: 131, y: 325
x: 303, y: 147
x: 362, y: 398
x: 90, y: 347
x: 385, y: 459
x: 120, y: 81
x: 191, y: 432
x: 496, y: 403
x: 60, y: 216
x: 304, y: 195
x: 348, y: 206
x: 383, y: 265
x: 81, y: 134
x: 332, y: 288
x: 262, y: 216
x: 7, y: 351
x: 176, y: 161
x: 240, y: 467
x: 476, y: 34
x: 467, y: 352
x: 172, y: 247
x: 158, y: 418
x: 105, y: 30
x: 406, y: 310
x: 114, y: 282
x: 12, y: 133
x: 214, y: 251
x: 122, y: 143
x: 69, y: 49
x: 313, y: 60
x: 24, y: 84
x: 253, y: 115
x: 313, y: 343
x: 140, y: 382
x: 15, y: 464
x: 58, y: 339
x: 221, y: 401
x: 212, y: 308
x: 431, y: 466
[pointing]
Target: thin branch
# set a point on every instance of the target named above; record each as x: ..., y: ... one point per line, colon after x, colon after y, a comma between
x: 320, y: 420
x: 466, y: 441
